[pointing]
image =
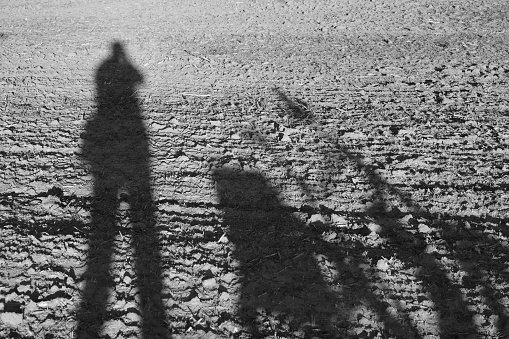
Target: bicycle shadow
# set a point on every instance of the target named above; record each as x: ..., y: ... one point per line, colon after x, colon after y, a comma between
x: 117, y: 152
x: 284, y: 265
x: 284, y: 262
x: 414, y: 248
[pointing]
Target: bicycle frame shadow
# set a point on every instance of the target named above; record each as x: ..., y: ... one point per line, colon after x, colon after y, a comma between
x: 400, y: 218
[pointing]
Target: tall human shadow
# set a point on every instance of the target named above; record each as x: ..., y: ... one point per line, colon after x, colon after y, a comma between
x: 116, y: 149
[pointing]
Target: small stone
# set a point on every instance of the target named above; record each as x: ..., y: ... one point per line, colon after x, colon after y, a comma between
x: 224, y: 239
x: 195, y: 304
x: 174, y: 121
x: 230, y: 327
x: 430, y: 249
x: 127, y: 280
x: 476, y: 71
x: 69, y: 281
x: 447, y: 101
x: 478, y: 319
x: 407, y: 220
x: 11, y: 296
x: 120, y: 304
x: 156, y: 127
x: 31, y: 307
x: 330, y: 236
x: 22, y: 289
x: 40, y: 260
x: 48, y: 324
x: 124, y: 206
x: 54, y: 289
x: 182, y: 158
x: 225, y: 296
x: 286, y: 138
x: 137, y: 299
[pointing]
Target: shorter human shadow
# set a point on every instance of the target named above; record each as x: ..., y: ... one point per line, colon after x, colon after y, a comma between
x: 279, y: 276
x: 293, y: 281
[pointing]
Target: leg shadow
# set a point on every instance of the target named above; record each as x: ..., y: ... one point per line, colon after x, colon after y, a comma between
x: 116, y: 149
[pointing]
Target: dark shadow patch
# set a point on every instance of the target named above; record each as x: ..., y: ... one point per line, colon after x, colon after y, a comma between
x: 116, y: 149
x: 279, y: 277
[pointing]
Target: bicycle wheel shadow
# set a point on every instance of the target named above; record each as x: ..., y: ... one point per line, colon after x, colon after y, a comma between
x: 435, y: 246
x: 116, y: 150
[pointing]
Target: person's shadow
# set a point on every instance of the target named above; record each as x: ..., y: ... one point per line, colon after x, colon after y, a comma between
x: 280, y: 279
x: 116, y: 150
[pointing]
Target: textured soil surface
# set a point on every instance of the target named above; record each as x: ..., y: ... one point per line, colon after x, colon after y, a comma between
x: 254, y: 169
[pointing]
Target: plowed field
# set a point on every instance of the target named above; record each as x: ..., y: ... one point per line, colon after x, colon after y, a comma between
x: 254, y: 169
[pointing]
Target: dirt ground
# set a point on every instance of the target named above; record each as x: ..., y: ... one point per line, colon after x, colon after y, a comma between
x: 254, y: 169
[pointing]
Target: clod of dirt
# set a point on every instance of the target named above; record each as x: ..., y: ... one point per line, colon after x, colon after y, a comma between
x: 11, y: 318
x: 132, y: 318
x: 374, y: 228
x: 112, y: 328
x: 382, y: 264
x: 210, y: 284
x: 424, y: 228
x: 228, y: 278
x: 317, y: 219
